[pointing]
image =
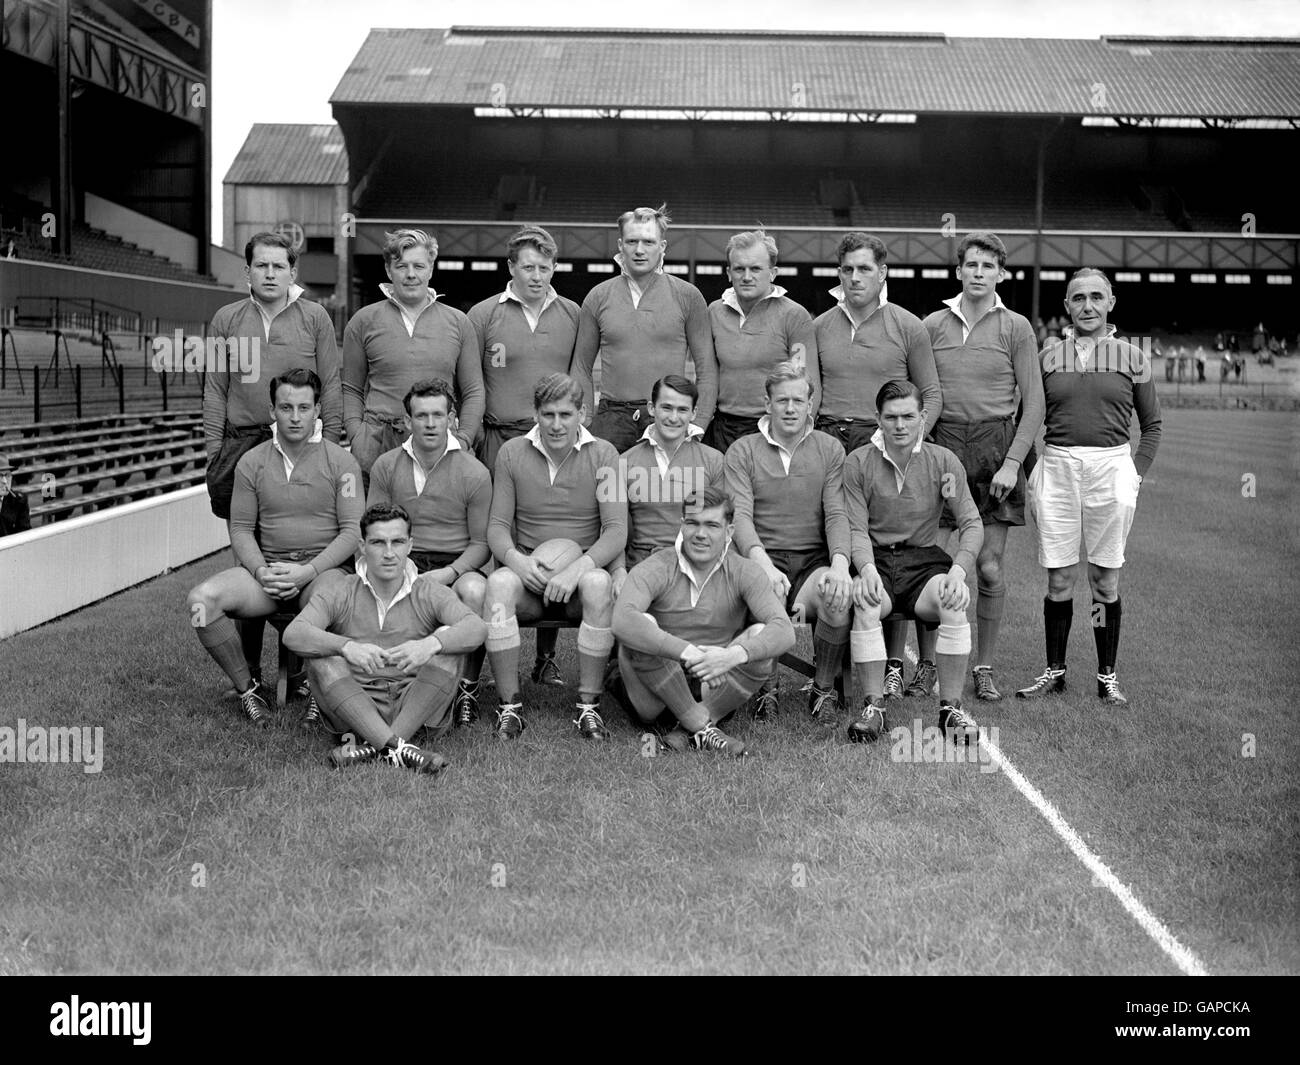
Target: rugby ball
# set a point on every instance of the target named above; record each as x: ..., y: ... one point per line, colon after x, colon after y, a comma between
x: 556, y: 555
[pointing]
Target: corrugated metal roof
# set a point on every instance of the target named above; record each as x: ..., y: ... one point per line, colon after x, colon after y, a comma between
x: 279, y: 153
x: 467, y: 65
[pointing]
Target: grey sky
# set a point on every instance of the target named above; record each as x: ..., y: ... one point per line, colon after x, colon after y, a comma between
x: 322, y: 36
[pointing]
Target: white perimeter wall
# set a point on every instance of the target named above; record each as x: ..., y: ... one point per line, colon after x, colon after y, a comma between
x: 62, y: 567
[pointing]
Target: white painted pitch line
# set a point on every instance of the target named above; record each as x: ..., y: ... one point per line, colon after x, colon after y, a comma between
x: 1188, y: 963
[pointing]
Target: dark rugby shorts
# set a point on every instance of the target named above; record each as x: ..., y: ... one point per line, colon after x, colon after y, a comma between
x: 981, y: 447
x: 905, y: 571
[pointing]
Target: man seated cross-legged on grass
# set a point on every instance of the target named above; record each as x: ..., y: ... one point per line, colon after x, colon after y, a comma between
x: 1085, y: 489
x: 547, y: 488
x: 895, y: 488
x: 448, y: 494
x: 684, y: 610
x: 294, y: 519
x: 386, y: 648
x: 787, y: 484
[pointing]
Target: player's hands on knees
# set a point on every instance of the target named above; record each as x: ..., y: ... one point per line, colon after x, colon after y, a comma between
x: 365, y: 656
x: 1004, y: 480
x: 410, y: 656
x: 715, y: 662
x: 867, y: 589
x: 837, y: 590
x: 779, y: 581
x: 276, y: 579
x: 953, y: 593
x: 561, y: 586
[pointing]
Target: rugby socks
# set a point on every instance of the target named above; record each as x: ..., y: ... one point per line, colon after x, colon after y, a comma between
x: 727, y: 696
x: 896, y: 639
x: 346, y: 701
x: 251, y: 631
x: 594, y: 645
x: 503, y: 652
x: 221, y: 640
x: 989, y: 607
x: 546, y: 641
x: 1057, y: 616
x: 427, y: 701
x: 867, y: 649
x: 927, y: 633
x: 951, y: 653
x: 1105, y: 631
x: 666, y: 678
x: 828, y: 651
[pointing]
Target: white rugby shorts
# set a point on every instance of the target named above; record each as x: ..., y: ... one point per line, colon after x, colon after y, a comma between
x: 1083, y: 495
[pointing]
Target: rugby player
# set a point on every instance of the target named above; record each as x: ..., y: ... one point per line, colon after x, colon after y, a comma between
x: 546, y: 488
x: 385, y: 649
x: 864, y: 341
x: 686, y: 610
x: 294, y: 518
x: 896, y: 487
x: 401, y: 339
x: 755, y: 327
x: 1085, y: 487
x: 447, y: 493
x: 643, y: 324
x: 985, y: 354
x: 787, y: 484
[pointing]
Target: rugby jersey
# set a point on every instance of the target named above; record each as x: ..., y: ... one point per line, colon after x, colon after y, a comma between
x: 735, y: 592
x: 775, y: 331
x: 314, y: 513
x: 987, y: 368
x: 655, y: 497
x: 798, y: 510
x: 639, y: 344
x: 381, y: 362
x: 515, y: 357
x: 301, y: 336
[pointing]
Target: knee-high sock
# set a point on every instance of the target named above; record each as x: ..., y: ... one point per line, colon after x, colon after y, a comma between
x: 474, y: 667
x: 868, y: 652
x: 503, y: 652
x: 428, y: 699
x: 727, y: 696
x: 926, y: 635
x: 989, y: 606
x: 896, y: 638
x: 345, y: 700
x: 594, y: 645
x: 221, y: 640
x: 951, y: 653
x: 666, y: 678
x: 1057, y: 616
x: 828, y: 651
x: 1106, y: 634
x: 546, y: 641
x: 251, y: 631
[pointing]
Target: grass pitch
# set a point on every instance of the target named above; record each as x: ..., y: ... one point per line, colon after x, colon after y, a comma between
x: 205, y: 847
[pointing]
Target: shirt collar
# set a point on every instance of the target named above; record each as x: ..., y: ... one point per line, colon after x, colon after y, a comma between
x: 878, y: 439
x: 618, y: 258
x: 389, y: 293
x: 954, y: 305
x: 837, y: 293
x: 452, y: 445
x: 317, y: 435
x: 764, y: 427
x: 685, y: 566
x: 408, y: 579
x: 1067, y: 333
x: 693, y: 431
x: 510, y: 295
x: 535, y: 435
x: 295, y: 290
x: 729, y: 298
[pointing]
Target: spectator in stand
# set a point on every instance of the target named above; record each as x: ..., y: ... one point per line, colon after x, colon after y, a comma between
x: 14, y: 517
x: 1200, y: 364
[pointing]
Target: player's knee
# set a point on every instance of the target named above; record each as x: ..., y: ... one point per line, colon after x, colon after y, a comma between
x: 503, y: 586
x: 596, y: 587
x: 203, y: 600
x: 988, y: 569
x: 1060, y: 582
x: 325, y: 671
x: 951, y: 617
x: 1105, y: 583
x: 866, y: 617
x: 470, y: 589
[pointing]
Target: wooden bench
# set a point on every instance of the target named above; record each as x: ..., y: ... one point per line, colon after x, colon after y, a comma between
x: 31, y: 430
x: 119, y: 475
x: 38, y: 447
x: 152, y: 446
x: 111, y: 496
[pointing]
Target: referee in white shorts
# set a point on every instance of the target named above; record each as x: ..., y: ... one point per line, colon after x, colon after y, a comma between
x: 1085, y: 488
